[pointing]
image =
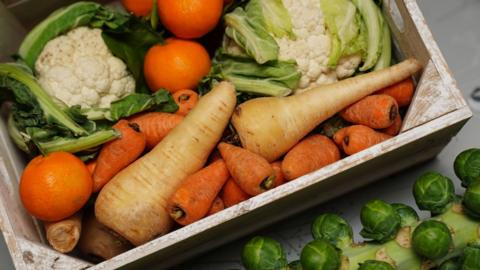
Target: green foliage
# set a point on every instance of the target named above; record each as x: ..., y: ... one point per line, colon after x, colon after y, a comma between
x: 452, y: 264
x: 408, y: 216
x: 380, y: 221
x: 434, y: 192
x: 295, y: 265
x: 334, y: 229
x: 432, y: 239
x: 263, y: 253
x: 375, y: 265
x: 467, y: 166
x: 320, y: 255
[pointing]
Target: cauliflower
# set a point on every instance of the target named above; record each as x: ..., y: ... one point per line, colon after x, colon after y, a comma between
x: 312, y: 46
x: 78, y: 69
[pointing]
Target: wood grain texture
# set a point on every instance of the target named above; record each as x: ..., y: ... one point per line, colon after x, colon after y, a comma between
x: 426, y: 132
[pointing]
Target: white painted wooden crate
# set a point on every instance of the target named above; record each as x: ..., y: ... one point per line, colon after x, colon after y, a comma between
x: 437, y: 113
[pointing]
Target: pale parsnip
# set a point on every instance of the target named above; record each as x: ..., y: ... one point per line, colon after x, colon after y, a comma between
x: 134, y: 202
x: 271, y: 126
x: 63, y: 235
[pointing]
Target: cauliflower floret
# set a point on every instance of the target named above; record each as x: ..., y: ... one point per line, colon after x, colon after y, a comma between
x: 79, y: 69
x: 312, y: 46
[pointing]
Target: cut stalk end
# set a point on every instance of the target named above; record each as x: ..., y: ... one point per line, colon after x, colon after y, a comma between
x: 177, y: 213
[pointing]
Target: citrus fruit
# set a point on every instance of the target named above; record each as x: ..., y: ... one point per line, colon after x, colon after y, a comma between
x: 190, y: 18
x: 55, y: 186
x: 177, y: 64
x: 138, y: 7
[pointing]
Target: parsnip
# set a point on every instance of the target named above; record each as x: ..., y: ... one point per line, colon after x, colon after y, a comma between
x: 271, y: 126
x: 63, y: 235
x: 98, y: 242
x: 134, y: 202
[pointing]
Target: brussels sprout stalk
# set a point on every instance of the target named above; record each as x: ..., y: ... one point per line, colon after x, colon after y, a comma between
x: 464, y: 231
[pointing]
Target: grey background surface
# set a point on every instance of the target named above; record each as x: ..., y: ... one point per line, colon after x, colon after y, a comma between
x: 456, y: 27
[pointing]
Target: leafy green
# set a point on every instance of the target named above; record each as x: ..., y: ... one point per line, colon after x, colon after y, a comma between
x: 160, y: 101
x: 342, y: 23
x: 385, y: 58
x: 130, y: 42
x: 250, y: 34
x: 370, y: 15
x: 264, y: 253
x: 275, y: 78
x: 272, y: 14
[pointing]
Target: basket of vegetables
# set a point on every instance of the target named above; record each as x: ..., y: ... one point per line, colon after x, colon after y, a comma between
x: 137, y: 131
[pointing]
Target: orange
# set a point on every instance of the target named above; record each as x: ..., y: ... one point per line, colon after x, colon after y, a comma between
x: 138, y: 7
x: 178, y: 64
x: 190, y: 18
x: 56, y: 186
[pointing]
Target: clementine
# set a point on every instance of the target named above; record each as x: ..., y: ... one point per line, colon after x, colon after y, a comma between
x: 190, y: 18
x: 176, y: 65
x: 138, y: 7
x: 55, y: 186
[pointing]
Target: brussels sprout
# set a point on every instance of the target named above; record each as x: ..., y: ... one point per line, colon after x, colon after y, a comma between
x: 467, y: 166
x: 263, y: 253
x: 433, y: 192
x: 471, y: 199
x: 295, y: 265
x: 375, y: 265
x: 432, y: 239
x: 408, y: 216
x: 320, y: 255
x: 471, y: 257
x: 334, y: 229
x: 380, y: 221
x: 452, y: 264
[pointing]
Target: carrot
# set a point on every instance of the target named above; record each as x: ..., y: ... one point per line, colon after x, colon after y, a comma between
x: 252, y: 172
x: 118, y: 154
x: 279, y: 177
x: 339, y: 135
x: 270, y: 126
x: 312, y: 153
x: 357, y: 138
x: 156, y: 125
x: 216, y: 207
x: 376, y: 111
x: 232, y: 194
x: 402, y: 92
x: 394, y: 129
x: 91, y: 166
x: 186, y: 100
x: 63, y: 235
x: 134, y: 202
x: 98, y: 242
x: 194, y: 197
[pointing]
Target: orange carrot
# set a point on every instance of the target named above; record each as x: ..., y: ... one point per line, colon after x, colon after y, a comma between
x: 394, y: 129
x: 357, y: 138
x: 186, y: 100
x: 339, y: 135
x: 377, y: 111
x: 156, y: 125
x: 216, y: 207
x: 91, y: 166
x: 252, y: 172
x: 232, y: 194
x: 194, y: 197
x: 310, y: 154
x: 279, y: 177
x: 402, y: 92
x: 118, y: 154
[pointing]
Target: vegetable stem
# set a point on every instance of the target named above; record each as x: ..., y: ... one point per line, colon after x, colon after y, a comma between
x: 268, y: 182
x: 177, y: 213
x: 79, y: 144
x: 464, y: 230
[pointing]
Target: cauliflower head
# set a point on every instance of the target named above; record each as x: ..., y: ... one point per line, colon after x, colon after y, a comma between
x: 312, y: 46
x: 78, y: 69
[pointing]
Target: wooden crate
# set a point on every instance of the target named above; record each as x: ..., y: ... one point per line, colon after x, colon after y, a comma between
x: 437, y: 113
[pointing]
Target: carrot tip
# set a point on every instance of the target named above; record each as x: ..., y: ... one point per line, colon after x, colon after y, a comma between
x: 268, y: 182
x: 177, y: 213
x: 393, y: 113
